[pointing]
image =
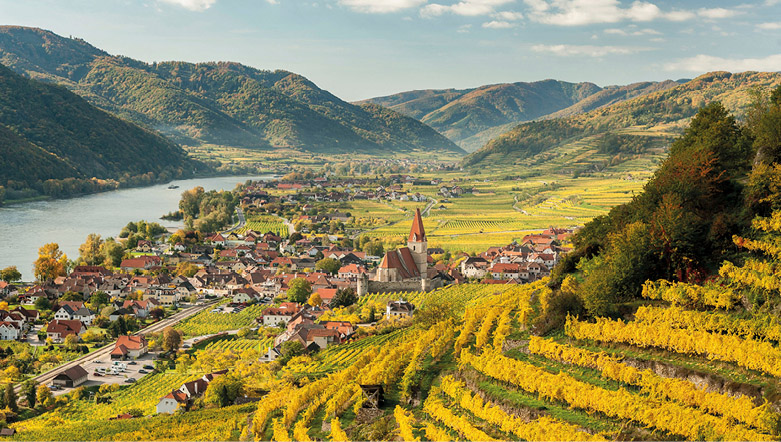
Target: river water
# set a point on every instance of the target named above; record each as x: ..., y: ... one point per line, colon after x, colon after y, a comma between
x: 26, y: 227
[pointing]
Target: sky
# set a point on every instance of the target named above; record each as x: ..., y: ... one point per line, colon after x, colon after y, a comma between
x: 359, y: 49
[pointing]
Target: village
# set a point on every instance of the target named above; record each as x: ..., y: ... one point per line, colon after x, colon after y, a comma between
x: 310, y: 284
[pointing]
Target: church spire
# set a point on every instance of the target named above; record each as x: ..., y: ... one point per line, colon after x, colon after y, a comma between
x: 418, y: 233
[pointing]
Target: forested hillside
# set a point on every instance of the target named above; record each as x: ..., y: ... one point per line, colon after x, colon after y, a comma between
x: 55, y: 143
x: 472, y: 116
x: 214, y: 103
x: 659, y: 113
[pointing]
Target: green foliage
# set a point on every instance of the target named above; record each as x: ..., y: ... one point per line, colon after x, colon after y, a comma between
x: 289, y: 350
x: 53, y: 141
x: 10, y: 274
x: 299, y: 290
x: 344, y: 297
x: 680, y: 225
x: 328, y: 265
x: 216, y: 103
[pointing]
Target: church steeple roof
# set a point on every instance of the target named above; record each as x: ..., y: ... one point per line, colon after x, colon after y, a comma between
x: 418, y: 233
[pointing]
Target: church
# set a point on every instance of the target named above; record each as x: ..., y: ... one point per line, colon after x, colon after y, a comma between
x: 403, y: 269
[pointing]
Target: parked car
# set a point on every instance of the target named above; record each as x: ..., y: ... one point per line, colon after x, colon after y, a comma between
x: 132, y: 363
x: 54, y: 387
x: 98, y: 374
x: 142, y: 371
x: 97, y: 362
x: 130, y: 380
x: 148, y: 367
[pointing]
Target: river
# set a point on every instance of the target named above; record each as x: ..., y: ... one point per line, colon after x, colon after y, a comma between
x: 26, y: 227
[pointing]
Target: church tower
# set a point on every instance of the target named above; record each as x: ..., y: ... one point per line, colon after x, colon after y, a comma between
x: 418, y: 244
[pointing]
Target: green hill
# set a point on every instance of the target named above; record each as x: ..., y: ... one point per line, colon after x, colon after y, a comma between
x: 55, y: 142
x: 662, y: 113
x: 471, y: 117
x: 213, y: 103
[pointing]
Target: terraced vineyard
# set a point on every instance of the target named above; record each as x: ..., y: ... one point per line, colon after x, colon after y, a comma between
x: 476, y: 373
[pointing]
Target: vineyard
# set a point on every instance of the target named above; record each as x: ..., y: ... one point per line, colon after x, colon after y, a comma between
x: 264, y: 225
x: 688, y: 365
x: 207, y: 323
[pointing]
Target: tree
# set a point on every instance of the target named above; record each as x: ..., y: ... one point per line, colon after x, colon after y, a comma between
x: 289, y: 350
x: 10, y: 274
x: 374, y: 248
x: 43, y: 394
x: 315, y: 300
x: 10, y: 397
x: 223, y: 390
x: 186, y: 269
x: 99, y: 299
x: 295, y: 237
x: 113, y: 252
x: 71, y: 342
x: 90, y: 252
x: 43, y: 303
x: 72, y: 296
x: 344, y: 298
x: 28, y: 389
x: 171, y: 339
x: 51, y: 263
x: 329, y: 265
x: 299, y: 290
x: 157, y: 313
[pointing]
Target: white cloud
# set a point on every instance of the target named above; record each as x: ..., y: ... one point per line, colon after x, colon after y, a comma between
x: 192, y: 5
x: 509, y: 15
x: 276, y: 2
x: 771, y: 26
x: 716, y: 13
x: 469, y: 8
x: 585, y: 50
x: 635, y: 32
x: 586, y: 12
x: 707, y: 63
x: 380, y: 6
x: 496, y: 24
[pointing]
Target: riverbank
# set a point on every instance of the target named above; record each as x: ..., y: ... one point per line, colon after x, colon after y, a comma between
x: 27, y: 226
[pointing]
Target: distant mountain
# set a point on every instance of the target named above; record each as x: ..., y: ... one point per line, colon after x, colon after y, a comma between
x: 48, y: 133
x: 471, y: 117
x: 214, y: 103
x: 662, y: 112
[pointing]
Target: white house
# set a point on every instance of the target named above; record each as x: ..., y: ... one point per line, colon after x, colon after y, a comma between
x: 171, y: 402
x: 9, y: 331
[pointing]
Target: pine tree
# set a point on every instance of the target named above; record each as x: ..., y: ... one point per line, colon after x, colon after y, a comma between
x: 10, y: 397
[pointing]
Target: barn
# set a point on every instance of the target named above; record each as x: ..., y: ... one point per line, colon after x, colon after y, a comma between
x: 72, y: 377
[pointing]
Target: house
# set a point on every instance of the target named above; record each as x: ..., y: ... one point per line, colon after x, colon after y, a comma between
x: 85, y: 315
x: 72, y: 377
x: 30, y: 315
x: 273, y: 316
x: 506, y: 271
x: 58, y: 329
x: 9, y: 331
x: 171, y: 402
x: 140, y: 263
x: 474, y: 267
x: 129, y: 347
x: 399, y: 309
x: 245, y: 296
x: 65, y: 313
x: 351, y: 271
x: 194, y: 388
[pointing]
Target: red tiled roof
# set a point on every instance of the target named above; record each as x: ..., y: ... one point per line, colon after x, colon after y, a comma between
x: 418, y: 233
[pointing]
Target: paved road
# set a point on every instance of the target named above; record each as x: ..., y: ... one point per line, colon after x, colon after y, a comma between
x: 242, y: 220
x: 47, y: 377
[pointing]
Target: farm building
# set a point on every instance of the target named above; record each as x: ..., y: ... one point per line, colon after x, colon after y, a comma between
x: 72, y: 377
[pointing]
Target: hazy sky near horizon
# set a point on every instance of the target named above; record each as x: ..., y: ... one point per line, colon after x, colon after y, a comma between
x: 364, y: 48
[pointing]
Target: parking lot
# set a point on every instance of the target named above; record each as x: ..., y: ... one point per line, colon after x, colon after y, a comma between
x: 133, y: 369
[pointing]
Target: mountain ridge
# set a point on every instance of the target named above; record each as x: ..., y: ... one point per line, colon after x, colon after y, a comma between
x: 211, y: 103
x: 667, y: 110
x: 470, y: 117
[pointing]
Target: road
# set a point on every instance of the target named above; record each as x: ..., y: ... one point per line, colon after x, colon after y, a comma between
x: 242, y: 220
x: 47, y: 377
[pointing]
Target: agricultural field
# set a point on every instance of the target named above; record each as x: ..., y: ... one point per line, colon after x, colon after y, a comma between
x: 265, y: 224
x: 686, y: 367
x: 207, y: 323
